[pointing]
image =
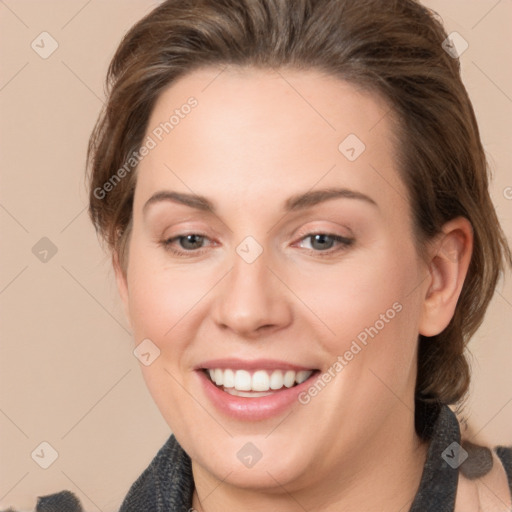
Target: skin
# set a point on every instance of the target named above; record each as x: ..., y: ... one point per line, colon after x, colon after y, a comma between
x: 256, y: 138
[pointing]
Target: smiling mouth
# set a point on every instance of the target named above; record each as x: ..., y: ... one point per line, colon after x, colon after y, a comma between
x: 253, y: 384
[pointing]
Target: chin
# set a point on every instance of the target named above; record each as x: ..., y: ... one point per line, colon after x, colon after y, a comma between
x: 253, y: 462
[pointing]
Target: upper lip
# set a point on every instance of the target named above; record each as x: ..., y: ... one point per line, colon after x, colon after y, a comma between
x: 253, y: 364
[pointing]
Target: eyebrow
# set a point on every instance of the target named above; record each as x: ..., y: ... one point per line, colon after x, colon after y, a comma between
x: 293, y: 203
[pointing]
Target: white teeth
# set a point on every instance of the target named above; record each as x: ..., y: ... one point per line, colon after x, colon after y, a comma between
x: 260, y: 381
x: 218, y: 377
x: 246, y: 394
x: 229, y: 379
x: 243, y: 380
x: 235, y: 381
x: 302, y: 376
x: 276, y: 380
x: 289, y: 378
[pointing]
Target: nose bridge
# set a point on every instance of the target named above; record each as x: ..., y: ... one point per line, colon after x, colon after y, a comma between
x: 251, y: 296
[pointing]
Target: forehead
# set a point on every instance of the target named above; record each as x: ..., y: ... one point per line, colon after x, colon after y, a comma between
x: 265, y: 134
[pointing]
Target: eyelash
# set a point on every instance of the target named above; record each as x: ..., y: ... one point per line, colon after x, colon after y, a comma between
x: 343, y: 241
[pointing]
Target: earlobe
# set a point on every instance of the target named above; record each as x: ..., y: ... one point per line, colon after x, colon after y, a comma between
x: 448, y: 266
x: 122, y: 284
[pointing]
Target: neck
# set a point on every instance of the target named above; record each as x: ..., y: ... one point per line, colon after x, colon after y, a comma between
x: 384, y: 476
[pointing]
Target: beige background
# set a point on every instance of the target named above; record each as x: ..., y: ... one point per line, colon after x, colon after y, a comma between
x: 68, y: 375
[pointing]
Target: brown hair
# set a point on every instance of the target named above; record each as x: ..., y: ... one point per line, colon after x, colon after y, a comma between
x: 393, y: 48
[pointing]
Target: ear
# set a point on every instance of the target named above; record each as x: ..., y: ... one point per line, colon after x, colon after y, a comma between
x: 449, y: 260
x: 122, y: 284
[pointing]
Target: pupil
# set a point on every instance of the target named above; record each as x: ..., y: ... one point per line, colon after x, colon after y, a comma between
x: 322, y: 239
x: 193, y: 239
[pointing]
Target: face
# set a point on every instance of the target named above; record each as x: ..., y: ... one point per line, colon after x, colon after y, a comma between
x: 272, y: 247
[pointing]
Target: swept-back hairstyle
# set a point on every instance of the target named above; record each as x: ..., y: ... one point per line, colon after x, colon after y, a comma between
x: 393, y: 48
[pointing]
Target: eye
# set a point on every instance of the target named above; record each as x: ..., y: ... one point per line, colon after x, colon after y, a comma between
x: 324, y: 242
x: 190, y: 243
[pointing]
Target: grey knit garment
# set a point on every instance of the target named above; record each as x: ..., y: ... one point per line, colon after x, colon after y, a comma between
x: 64, y: 501
x: 166, y: 485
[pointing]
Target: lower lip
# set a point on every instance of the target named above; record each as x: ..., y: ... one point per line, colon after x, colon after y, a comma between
x: 253, y: 409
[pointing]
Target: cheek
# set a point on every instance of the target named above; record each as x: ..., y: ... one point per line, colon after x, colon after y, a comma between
x: 370, y: 306
x: 354, y: 295
x: 162, y: 308
x: 160, y: 298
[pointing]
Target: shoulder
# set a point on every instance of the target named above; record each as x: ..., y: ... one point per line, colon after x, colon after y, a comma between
x: 485, y: 479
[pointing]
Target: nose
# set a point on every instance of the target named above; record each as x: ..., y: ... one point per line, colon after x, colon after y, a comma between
x: 252, y: 300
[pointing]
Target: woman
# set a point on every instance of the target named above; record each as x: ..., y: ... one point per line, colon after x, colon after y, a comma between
x: 296, y: 200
